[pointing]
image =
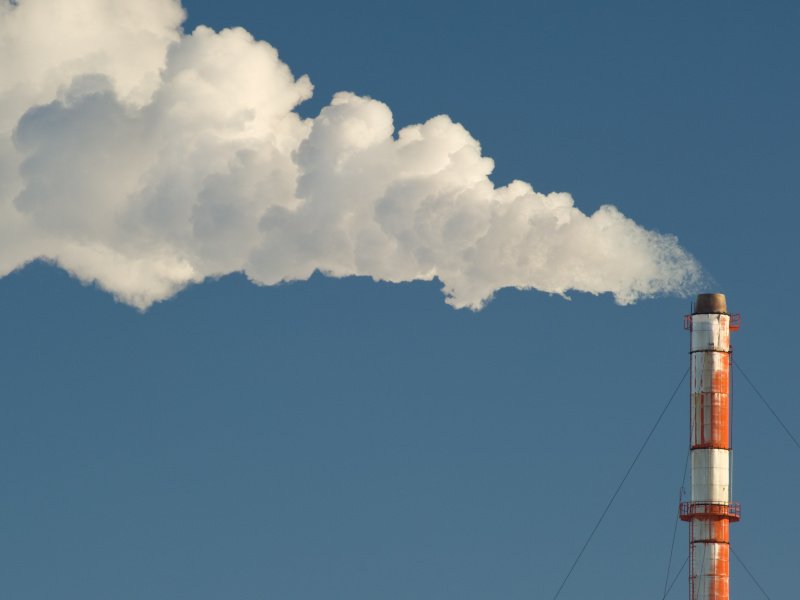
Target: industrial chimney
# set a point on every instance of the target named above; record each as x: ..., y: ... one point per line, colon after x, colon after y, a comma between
x: 710, y: 510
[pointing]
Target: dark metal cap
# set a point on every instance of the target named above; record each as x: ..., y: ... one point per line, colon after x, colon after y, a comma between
x: 710, y: 304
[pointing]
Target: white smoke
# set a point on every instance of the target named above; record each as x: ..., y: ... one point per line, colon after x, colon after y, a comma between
x: 144, y: 159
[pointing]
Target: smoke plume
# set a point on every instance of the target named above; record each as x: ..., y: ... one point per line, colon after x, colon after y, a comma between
x: 142, y: 158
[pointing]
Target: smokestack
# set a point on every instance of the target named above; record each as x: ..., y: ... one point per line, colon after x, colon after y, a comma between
x: 710, y: 510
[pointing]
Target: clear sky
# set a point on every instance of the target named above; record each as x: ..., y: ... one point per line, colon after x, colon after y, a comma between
x: 346, y: 439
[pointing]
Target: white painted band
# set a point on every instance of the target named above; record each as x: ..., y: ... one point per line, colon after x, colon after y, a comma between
x: 711, y: 332
x: 711, y: 475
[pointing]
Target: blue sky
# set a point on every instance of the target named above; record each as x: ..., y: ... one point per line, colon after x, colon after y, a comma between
x: 351, y: 439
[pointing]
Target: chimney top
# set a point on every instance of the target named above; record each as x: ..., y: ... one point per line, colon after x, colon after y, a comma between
x: 710, y: 304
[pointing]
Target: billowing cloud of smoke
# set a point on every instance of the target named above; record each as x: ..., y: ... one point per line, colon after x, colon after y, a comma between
x: 144, y: 159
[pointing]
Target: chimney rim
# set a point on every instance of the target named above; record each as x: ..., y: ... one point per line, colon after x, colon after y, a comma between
x: 710, y: 304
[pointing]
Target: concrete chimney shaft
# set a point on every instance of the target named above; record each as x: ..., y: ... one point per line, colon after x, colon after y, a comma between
x: 710, y: 510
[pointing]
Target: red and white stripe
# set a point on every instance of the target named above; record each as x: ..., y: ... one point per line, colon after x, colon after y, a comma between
x: 710, y: 510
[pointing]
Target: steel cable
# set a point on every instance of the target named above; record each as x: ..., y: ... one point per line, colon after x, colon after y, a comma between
x: 764, y: 400
x: 675, y: 528
x: 619, y: 487
x: 741, y: 562
x: 678, y: 574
